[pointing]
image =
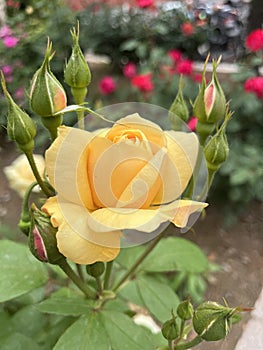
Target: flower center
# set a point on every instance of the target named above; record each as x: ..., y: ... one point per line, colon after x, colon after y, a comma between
x: 133, y: 137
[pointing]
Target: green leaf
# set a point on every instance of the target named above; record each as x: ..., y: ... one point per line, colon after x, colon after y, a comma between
x: 18, y: 341
x: 20, y: 271
x: 65, y: 306
x: 158, y: 297
x: 85, y: 334
x: 178, y: 254
x: 127, y: 256
x: 105, y: 330
x: 124, y: 333
x: 29, y: 321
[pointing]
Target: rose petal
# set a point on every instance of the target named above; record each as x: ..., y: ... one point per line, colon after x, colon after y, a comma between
x: 146, y: 220
x: 75, y: 239
x: 182, y: 155
x: 144, y: 186
x: 66, y: 165
x: 152, y: 131
x: 80, y: 250
x: 108, y: 163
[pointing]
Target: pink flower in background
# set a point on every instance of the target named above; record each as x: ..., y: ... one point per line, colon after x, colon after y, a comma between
x: 185, y: 67
x: 197, y: 78
x: 254, y: 41
x: 19, y: 93
x: 192, y: 123
x: 107, y: 85
x: 255, y: 86
x: 5, y: 31
x: 143, y: 82
x: 175, y: 55
x: 187, y: 28
x: 10, y: 41
x: 144, y: 3
x: 129, y: 70
x: 7, y: 69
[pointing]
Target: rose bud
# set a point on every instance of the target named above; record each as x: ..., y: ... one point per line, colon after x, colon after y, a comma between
x: 178, y: 110
x: 96, y: 269
x: 42, y: 238
x: 185, y: 310
x: 46, y: 93
x: 20, y: 127
x: 212, y: 321
x: 216, y: 150
x: 77, y: 73
x: 170, y: 329
x: 210, y: 104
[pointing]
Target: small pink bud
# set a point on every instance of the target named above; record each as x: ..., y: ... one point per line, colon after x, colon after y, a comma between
x: 39, y: 245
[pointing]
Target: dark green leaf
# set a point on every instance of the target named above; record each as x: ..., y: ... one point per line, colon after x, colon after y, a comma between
x: 20, y: 271
x: 178, y: 254
x: 105, y: 330
x: 65, y: 306
x: 18, y: 341
x: 158, y: 297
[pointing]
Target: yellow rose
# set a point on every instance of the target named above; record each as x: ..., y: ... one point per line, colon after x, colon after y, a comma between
x: 128, y: 177
x: 20, y: 175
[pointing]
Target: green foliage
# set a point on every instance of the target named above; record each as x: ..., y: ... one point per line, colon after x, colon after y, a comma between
x: 130, y: 33
x: 20, y: 272
x: 103, y: 330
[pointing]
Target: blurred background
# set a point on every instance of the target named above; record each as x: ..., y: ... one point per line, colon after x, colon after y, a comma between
x: 137, y: 50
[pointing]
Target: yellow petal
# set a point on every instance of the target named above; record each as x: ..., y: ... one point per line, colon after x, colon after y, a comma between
x: 111, y: 167
x: 80, y: 250
x: 146, y: 220
x: 144, y: 186
x: 66, y: 161
x: 75, y: 239
x: 182, y: 155
x: 152, y: 131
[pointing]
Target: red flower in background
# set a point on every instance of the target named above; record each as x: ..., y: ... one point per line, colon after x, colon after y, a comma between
x: 129, y: 70
x: 107, y: 85
x: 143, y: 82
x: 185, y: 67
x: 254, y: 41
x: 255, y: 86
x: 144, y: 3
x: 175, y: 55
x: 187, y: 28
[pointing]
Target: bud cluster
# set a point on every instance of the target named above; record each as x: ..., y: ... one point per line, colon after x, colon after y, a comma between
x: 210, y: 320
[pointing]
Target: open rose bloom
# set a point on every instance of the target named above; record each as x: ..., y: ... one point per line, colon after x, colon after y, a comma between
x: 127, y: 178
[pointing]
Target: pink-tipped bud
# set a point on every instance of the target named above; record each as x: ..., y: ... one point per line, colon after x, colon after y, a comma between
x: 47, y: 95
x: 42, y: 238
x: 210, y: 104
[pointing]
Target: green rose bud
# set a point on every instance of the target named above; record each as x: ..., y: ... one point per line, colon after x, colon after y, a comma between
x: 204, y: 130
x: 213, y: 321
x: 170, y: 329
x: 210, y: 103
x: 42, y: 238
x: 216, y: 150
x: 185, y: 310
x: 96, y: 269
x: 20, y: 127
x: 178, y: 110
x: 47, y: 95
x: 77, y: 73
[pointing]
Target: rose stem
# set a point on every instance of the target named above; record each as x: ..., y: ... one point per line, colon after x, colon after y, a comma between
x: 33, y: 166
x: 139, y: 260
x: 75, y: 279
x: 189, y: 344
x: 108, y: 274
x: 80, y: 272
